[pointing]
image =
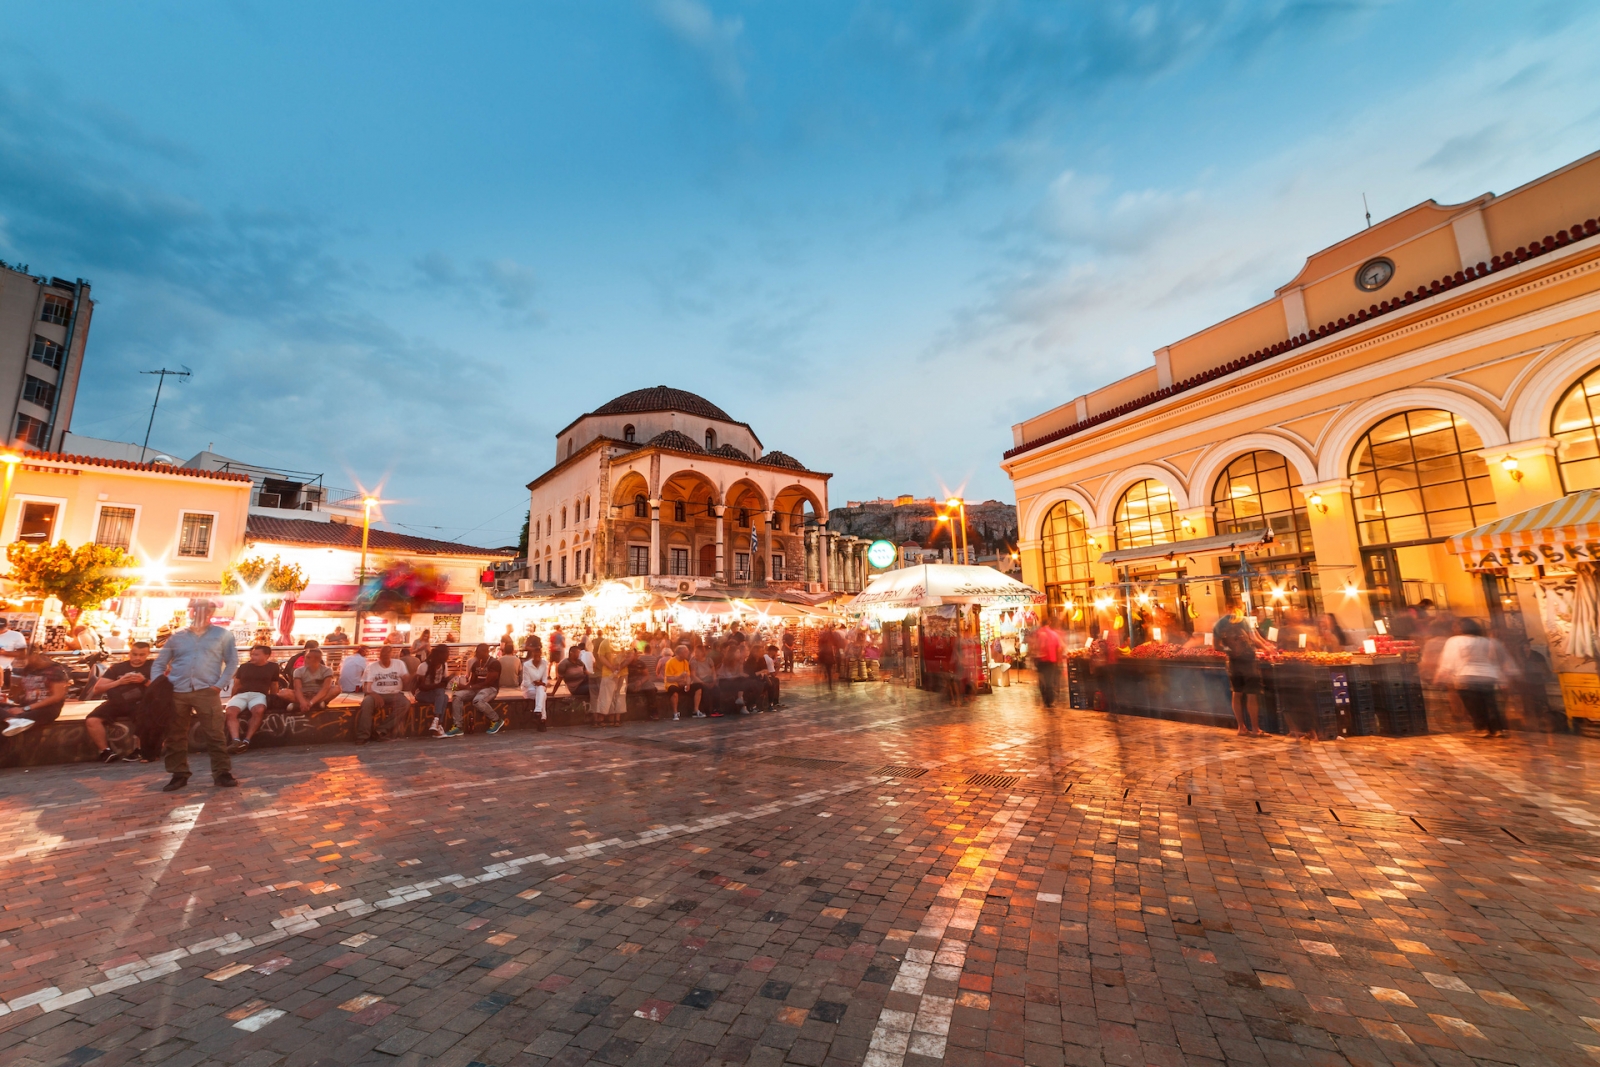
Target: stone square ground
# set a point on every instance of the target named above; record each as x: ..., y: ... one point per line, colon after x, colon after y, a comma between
x: 868, y: 876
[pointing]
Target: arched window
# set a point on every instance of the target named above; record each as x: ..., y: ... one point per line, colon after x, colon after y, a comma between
x: 679, y: 511
x: 1146, y: 515
x: 586, y: 509
x: 1259, y: 490
x: 627, y: 432
x: 641, y: 506
x: 563, y: 518
x: 1417, y: 477
x: 711, y: 440
x: 1574, y: 428
x: 1064, y: 540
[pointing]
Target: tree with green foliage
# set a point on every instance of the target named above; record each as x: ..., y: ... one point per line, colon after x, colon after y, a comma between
x: 280, y: 577
x: 81, y: 577
x: 522, y: 538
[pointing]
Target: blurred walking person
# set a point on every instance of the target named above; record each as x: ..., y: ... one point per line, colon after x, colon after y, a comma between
x: 1047, y: 648
x: 1475, y: 667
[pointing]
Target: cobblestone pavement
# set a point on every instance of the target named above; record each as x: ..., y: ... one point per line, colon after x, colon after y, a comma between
x: 867, y: 877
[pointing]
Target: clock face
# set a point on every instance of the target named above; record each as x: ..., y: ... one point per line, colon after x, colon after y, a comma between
x: 1374, y: 275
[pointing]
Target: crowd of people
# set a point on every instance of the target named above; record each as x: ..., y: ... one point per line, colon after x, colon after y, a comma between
x: 196, y: 677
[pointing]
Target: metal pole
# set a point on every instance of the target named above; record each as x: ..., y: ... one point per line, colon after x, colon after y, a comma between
x: 161, y: 379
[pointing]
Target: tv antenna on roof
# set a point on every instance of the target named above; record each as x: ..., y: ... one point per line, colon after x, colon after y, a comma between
x: 163, y: 375
x: 1368, y: 210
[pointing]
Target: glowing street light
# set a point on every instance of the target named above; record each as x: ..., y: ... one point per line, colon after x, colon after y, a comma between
x: 956, y: 504
x: 10, y: 458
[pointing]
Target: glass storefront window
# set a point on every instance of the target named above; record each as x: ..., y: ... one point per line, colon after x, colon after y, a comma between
x: 1146, y: 515
x: 1260, y: 490
x: 1574, y: 428
x: 1064, y: 541
x: 1417, y: 477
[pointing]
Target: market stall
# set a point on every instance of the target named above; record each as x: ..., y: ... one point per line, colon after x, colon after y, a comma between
x: 1546, y: 559
x: 937, y: 619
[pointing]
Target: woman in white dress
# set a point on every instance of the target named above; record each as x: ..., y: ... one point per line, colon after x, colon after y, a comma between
x: 536, y: 678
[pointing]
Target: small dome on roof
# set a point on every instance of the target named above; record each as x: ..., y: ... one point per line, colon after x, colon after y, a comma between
x: 672, y: 439
x: 782, y: 459
x: 661, y: 398
x: 729, y: 452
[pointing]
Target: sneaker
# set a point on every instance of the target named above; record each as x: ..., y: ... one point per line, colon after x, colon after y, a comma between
x: 134, y: 757
x: 454, y: 731
x: 699, y: 714
x: 496, y: 726
x: 436, y: 728
x: 237, y: 746
x: 107, y: 756
x: 179, y: 780
x: 676, y: 716
x: 225, y: 780
x: 15, y: 727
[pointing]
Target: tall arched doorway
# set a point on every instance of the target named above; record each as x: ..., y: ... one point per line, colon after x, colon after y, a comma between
x: 1064, y: 540
x: 1416, y: 478
x: 1261, y: 491
x: 1154, y: 596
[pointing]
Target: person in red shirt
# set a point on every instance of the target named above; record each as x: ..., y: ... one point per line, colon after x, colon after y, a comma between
x: 1047, y: 647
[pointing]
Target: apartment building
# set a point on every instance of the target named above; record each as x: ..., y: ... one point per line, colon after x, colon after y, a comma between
x: 44, y: 328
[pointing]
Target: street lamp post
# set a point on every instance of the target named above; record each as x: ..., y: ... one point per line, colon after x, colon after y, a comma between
x: 367, y: 504
x: 956, y: 504
x: 10, y: 459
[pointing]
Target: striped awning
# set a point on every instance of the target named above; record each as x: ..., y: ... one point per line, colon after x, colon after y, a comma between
x: 1564, y: 531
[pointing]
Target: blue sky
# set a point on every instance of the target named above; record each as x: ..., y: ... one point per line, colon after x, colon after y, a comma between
x: 409, y: 242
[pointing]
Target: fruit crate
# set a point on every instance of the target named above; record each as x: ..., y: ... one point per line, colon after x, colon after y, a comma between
x: 1364, y: 699
x: 1402, y: 711
x: 1080, y: 686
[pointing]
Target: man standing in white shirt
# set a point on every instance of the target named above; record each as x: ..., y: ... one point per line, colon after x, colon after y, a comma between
x: 12, y: 645
x: 384, y: 683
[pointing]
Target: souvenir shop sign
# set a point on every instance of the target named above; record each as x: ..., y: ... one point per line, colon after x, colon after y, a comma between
x: 1562, y: 532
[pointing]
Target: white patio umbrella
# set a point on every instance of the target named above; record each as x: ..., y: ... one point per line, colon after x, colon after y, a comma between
x: 929, y: 585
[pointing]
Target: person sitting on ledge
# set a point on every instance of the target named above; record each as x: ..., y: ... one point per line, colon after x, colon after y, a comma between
x: 384, y: 683
x: 255, y: 684
x: 123, y: 686
x: 38, y: 690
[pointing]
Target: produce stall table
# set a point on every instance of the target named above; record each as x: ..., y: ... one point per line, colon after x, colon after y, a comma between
x: 1343, y: 694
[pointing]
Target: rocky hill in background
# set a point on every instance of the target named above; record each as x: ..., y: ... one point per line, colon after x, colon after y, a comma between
x: 991, y: 525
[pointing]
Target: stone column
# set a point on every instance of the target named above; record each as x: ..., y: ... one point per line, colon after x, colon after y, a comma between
x: 655, y: 538
x: 1032, y: 555
x: 764, y: 544
x: 722, y: 556
x: 822, y: 556
x: 1333, y: 537
x: 1534, y: 478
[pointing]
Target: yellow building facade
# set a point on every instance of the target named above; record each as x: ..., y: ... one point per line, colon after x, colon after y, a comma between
x: 1425, y: 376
x: 183, y: 526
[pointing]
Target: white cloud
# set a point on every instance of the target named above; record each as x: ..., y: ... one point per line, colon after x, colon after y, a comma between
x: 717, y: 40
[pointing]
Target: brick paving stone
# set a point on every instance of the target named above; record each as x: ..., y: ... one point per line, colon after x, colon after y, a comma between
x: 680, y: 894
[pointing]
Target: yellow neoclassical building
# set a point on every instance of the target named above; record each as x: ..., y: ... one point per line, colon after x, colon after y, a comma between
x: 1416, y: 380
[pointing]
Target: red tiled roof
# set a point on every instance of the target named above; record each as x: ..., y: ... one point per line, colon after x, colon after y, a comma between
x: 341, y: 535
x: 1560, y: 239
x: 129, y: 465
